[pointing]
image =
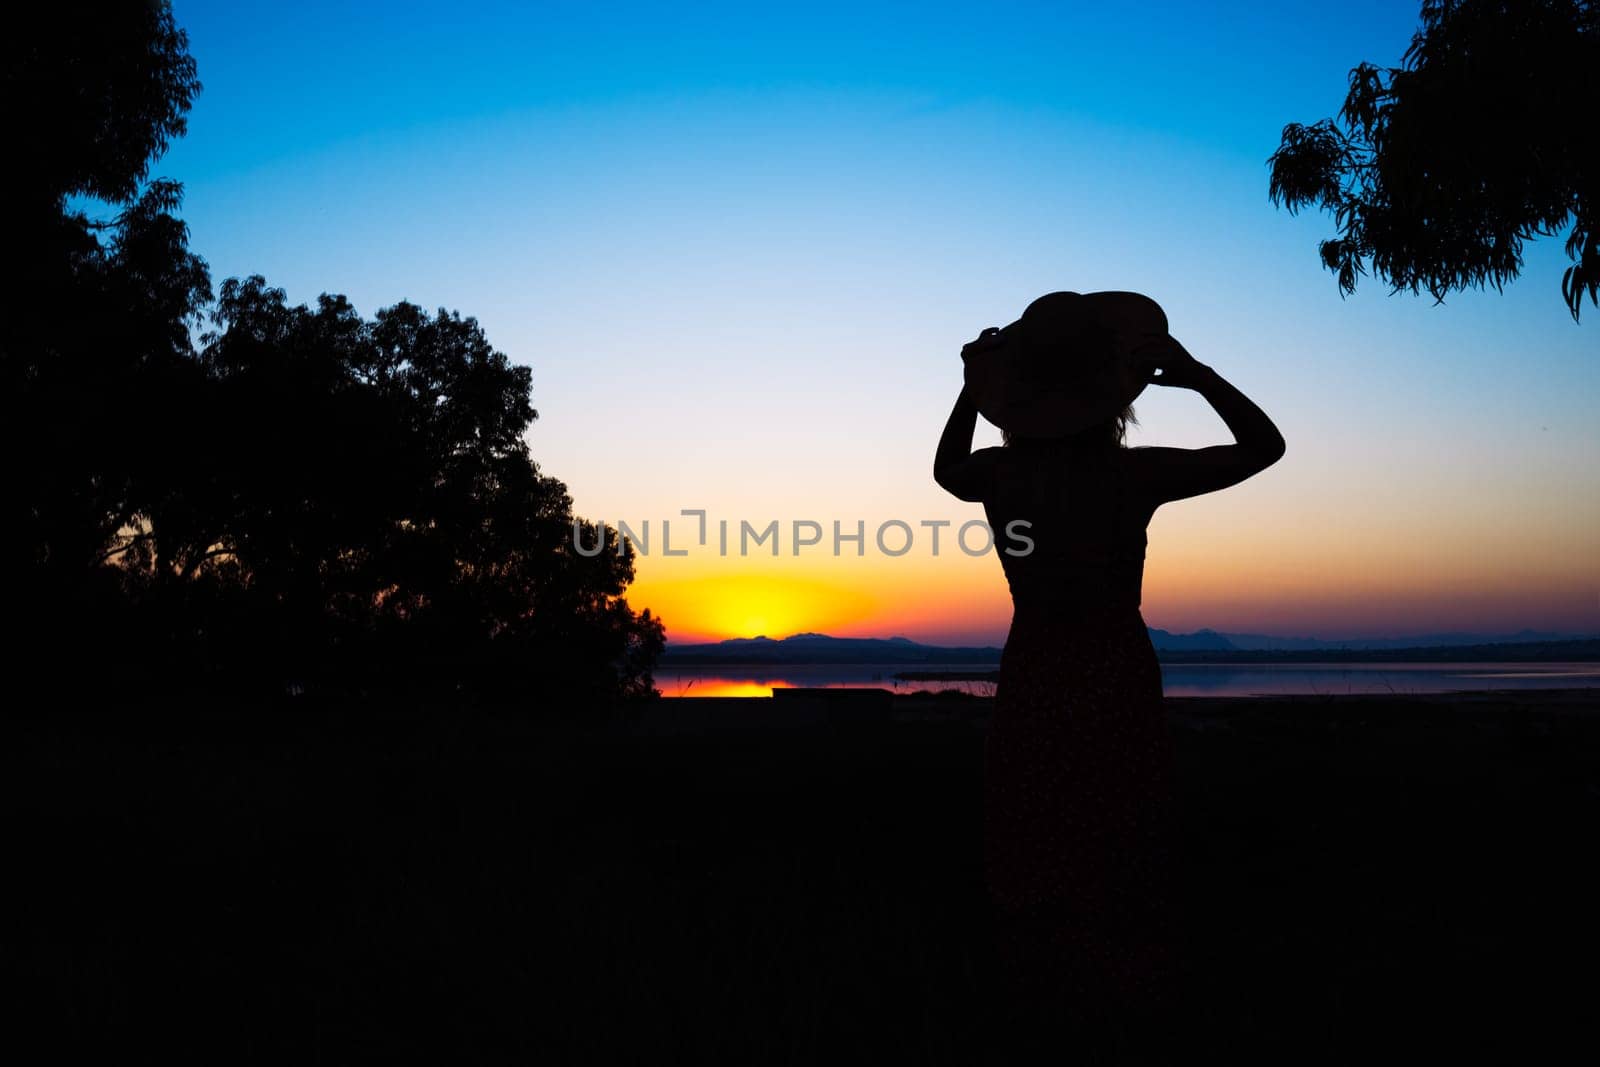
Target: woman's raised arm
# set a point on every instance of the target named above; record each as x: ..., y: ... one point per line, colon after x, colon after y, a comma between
x: 1176, y: 473
x: 959, y: 470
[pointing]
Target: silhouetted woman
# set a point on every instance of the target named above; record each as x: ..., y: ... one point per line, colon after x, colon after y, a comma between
x: 1078, y: 767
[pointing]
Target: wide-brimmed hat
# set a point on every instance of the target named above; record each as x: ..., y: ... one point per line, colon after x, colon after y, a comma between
x: 1062, y: 367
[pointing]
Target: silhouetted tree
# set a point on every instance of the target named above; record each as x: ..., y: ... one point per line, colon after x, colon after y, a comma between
x: 1437, y: 171
x: 93, y: 96
x: 361, y: 510
x: 94, y: 315
x: 308, y: 496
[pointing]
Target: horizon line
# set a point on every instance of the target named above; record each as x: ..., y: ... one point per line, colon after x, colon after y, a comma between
x: 1543, y: 634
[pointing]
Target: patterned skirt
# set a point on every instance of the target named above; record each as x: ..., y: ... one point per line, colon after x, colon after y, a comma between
x: 1078, y: 817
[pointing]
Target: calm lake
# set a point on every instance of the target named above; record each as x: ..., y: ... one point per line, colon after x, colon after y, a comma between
x: 1179, y: 680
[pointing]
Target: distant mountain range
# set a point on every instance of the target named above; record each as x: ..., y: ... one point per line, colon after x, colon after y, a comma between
x: 820, y: 648
x: 1203, y: 645
x: 1213, y: 640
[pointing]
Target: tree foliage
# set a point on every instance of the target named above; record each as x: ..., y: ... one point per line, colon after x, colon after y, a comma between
x: 94, y: 96
x: 232, y: 490
x: 1436, y: 172
x: 95, y: 316
x: 363, y: 510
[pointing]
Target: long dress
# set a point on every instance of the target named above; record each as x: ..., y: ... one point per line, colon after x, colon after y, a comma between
x: 1078, y: 805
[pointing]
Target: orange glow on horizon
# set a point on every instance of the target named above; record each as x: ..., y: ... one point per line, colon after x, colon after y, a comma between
x: 717, y: 607
x: 1250, y: 589
x: 1230, y: 565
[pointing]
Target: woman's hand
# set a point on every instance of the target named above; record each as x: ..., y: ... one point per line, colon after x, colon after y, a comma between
x: 985, y: 340
x: 1163, y: 361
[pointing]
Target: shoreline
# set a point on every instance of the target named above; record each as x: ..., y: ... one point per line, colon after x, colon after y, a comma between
x: 865, y: 695
x: 847, y: 712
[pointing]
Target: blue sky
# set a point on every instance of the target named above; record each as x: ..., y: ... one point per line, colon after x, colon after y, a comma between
x: 741, y: 247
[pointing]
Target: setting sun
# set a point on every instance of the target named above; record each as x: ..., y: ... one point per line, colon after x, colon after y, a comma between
x: 711, y: 608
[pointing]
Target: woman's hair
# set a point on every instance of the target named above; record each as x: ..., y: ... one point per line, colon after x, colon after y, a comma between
x: 1113, y: 433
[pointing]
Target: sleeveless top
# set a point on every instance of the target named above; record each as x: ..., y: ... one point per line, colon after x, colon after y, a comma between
x: 1086, y: 521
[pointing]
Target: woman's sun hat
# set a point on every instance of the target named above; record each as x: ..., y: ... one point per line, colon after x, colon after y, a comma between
x: 1064, y: 365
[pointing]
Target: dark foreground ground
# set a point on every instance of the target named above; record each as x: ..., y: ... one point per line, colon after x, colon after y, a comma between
x: 292, y: 885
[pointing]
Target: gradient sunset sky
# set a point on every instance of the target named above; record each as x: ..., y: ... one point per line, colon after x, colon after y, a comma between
x: 741, y: 247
